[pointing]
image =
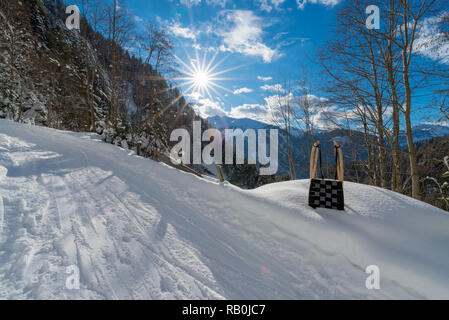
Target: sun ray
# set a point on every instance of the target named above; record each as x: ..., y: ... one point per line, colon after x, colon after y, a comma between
x: 221, y: 87
x: 201, y: 73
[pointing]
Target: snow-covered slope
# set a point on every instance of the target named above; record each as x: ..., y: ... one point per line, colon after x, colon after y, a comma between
x: 140, y: 229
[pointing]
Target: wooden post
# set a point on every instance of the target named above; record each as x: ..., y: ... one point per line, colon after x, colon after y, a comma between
x: 314, y: 159
x: 139, y: 145
x: 340, y: 167
x: 220, y: 173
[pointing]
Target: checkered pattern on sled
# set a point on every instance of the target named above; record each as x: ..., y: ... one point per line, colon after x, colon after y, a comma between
x: 326, y: 193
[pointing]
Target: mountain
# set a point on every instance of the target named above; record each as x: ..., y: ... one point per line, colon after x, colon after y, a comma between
x: 300, y: 142
x: 137, y: 229
x: 423, y: 132
x: 225, y: 122
x: 352, y: 143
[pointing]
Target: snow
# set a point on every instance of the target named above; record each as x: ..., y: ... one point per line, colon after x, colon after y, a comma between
x: 138, y: 229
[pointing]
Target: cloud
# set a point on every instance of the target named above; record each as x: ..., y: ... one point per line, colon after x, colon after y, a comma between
x: 206, y: 107
x: 328, y: 3
x: 323, y: 115
x: 279, y: 35
x: 138, y: 19
x: 221, y: 3
x: 243, y: 90
x: 273, y: 88
x: 324, y: 120
x: 431, y: 41
x: 275, y: 100
x: 268, y: 5
x: 252, y: 111
x: 198, y: 47
x: 182, y: 32
x: 242, y: 32
x: 190, y: 3
x: 264, y: 78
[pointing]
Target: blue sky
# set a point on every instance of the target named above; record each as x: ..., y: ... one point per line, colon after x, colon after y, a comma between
x: 256, y: 44
x: 256, y: 41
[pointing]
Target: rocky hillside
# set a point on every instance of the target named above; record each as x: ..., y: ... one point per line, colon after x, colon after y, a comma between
x: 44, y: 70
x: 60, y: 78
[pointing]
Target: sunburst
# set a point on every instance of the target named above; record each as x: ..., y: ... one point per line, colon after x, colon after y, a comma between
x: 201, y: 76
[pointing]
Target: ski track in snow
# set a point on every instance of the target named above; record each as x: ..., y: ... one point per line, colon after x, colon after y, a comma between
x: 137, y: 229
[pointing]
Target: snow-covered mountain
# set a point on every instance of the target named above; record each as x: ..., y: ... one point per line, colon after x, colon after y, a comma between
x: 421, y: 132
x: 224, y: 122
x: 139, y: 229
x: 424, y: 132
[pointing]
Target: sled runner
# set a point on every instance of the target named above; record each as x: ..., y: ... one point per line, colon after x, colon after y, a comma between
x: 326, y: 193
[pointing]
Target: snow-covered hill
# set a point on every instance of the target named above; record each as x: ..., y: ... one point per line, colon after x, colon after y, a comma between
x: 140, y: 229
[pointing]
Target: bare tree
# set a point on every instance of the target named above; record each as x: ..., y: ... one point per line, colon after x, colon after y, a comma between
x: 283, y: 115
x: 358, y: 81
x: 412, y: 14
x: 159, y: 49
x: 306, y: 106
x: 120, y: 27
x: 379, y: 67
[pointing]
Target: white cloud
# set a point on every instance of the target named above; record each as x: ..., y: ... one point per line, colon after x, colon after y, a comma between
x: 268, y: 5
x: 276, y: 100
x: 221, y: 3
x: 264, y: 78
x: 273, y: 88
x: 279, y: 35
x: 323, y: 115
x: 242, y: 32
x: 431, y: 42
x: 138, y: 19
x: 252, y: 111
x: 327, y: 3
x: 198, y: 47
x: 243, y: 90
x: 182, y: 32
x: 206, y: 107
x: 190, y: 3
x: 324, y: 120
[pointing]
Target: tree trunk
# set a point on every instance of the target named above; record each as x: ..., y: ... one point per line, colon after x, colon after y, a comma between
x: 411, y: 146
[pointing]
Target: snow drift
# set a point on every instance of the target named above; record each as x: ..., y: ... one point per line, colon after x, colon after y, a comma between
x: 137, y: 229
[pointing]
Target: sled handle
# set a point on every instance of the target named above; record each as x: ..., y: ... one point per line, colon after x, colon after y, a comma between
x: 314, y: 159
x: 339, y: 161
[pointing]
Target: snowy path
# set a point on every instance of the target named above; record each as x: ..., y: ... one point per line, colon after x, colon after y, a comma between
x: 137, y: 229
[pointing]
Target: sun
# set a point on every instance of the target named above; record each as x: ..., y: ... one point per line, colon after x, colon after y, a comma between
x: 199, y: 75
x: 201, y: 79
